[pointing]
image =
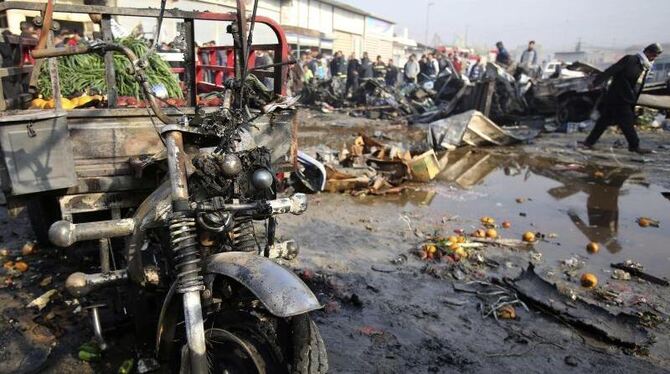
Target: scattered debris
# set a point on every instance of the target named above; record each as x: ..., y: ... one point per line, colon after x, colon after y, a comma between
x: 646, y: 222
x: 636, y: 270
x: 622, y: 329
x: 475, y: 129
x: 29, y: 248
x: 42, y: 301
x: 89, y: 352
x: 619, y: 274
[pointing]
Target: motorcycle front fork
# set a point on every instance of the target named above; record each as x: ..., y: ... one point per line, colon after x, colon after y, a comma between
x: 186, y: 255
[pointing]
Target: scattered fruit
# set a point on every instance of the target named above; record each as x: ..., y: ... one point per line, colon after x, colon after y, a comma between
x: 479, y: 233
x: 430, y: 248
x: 506, y: 224
x: 29, y: 248
x: 528, y: 237
x: 4, y: 252
x: 507, y: 312
x: 491, y: 233
x: 592, y: 247
x: 454, y: 247
x: 9, y: 265
x: 21, y: 266
x: 589, y: 280
x: 452, y: 239
x: 461, y: 239
x: 646, y: 222
x: 599, y: 174
x: 520, y: 200
x: 487, y: 221
x: 461, y: 253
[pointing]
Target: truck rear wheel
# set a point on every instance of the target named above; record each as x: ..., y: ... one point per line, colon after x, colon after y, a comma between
x: 42, y: 212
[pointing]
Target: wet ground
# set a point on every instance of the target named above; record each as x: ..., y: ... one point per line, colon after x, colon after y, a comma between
x: 399, y: 318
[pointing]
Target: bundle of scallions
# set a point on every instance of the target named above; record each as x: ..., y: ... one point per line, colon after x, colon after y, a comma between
x: 82, y: 73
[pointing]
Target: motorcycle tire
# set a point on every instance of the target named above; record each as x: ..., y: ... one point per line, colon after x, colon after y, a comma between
x: 240, y: 342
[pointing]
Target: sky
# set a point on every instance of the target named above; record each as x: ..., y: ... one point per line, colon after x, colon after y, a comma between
x: 555, y: 24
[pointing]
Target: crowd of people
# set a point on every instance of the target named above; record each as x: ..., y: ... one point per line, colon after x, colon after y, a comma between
x: 313, y: 67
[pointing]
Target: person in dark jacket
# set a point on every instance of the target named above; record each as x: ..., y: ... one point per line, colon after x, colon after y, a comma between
x: 365, y: 70
x: 423, y: 69
x: 379, y: 68
x: 337, y: 65
x: 391, y: 77
x: 503, y: 57
x: 353, y: 65
x: 618, y: 104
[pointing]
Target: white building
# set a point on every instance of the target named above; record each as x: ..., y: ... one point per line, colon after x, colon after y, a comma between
x: 316, y: 25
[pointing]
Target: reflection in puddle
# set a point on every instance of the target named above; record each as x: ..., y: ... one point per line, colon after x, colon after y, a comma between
x: 581, y: 203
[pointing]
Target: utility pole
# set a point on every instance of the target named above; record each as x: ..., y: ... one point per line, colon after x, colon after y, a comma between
x: 428, y: 5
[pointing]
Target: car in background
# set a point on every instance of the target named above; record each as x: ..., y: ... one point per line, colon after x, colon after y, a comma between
x: 660, y: 72
x: 550, y: 68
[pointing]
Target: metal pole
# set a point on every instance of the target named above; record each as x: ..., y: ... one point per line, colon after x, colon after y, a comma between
x: 428, y: 19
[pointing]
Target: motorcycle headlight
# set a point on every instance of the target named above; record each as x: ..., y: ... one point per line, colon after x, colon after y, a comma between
x: 261, y: 179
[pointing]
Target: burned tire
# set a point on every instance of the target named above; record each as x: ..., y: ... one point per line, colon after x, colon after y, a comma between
x: 42, y: 212
x: 250, y: 342
x: 309, y: 349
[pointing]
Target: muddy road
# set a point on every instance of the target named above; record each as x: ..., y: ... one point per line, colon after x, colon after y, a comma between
x: 389, y: 311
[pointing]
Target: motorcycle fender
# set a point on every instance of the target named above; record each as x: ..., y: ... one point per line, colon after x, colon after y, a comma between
x: 281, y: 291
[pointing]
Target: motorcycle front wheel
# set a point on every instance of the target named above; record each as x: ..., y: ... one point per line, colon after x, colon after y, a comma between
x: 250, y: 342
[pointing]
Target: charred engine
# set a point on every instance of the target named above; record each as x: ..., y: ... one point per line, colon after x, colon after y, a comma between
x: 230, y: 189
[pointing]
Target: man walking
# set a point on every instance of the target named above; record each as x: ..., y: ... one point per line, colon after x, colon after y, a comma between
x: 411, y: 69
x: 617, y: 108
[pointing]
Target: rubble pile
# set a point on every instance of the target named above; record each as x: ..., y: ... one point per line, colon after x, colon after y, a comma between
x: 504, y: 97
x: 368, y: 166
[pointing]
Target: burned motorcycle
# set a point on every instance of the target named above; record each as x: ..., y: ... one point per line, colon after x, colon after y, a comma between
x: 207, y: 234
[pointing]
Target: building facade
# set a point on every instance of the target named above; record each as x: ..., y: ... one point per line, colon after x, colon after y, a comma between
x: 321, y: 26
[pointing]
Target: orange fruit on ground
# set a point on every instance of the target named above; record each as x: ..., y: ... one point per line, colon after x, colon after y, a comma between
x: 644, y: 222
x: 452, y: 239
x: 479, y: 233
x: 507, y: 312
x: 487, y: 220
x: 506, y: 224
x: 461, y: 253
x: 528, y: 237
x: 21, y: 266
x: 588, y: 280
x: 454, y: 247
x: 461, y: 239
x: 430, y: 248
x: 491, y: 233
x: 592, y: 247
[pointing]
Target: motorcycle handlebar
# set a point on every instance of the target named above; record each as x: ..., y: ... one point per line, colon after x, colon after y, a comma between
x: 104, y: 47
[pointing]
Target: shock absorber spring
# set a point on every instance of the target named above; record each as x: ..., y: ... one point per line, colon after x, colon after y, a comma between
x: 186, y: 255
x: 242, y: 235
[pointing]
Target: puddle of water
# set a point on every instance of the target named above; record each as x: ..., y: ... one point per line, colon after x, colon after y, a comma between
x: 579, y: 203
